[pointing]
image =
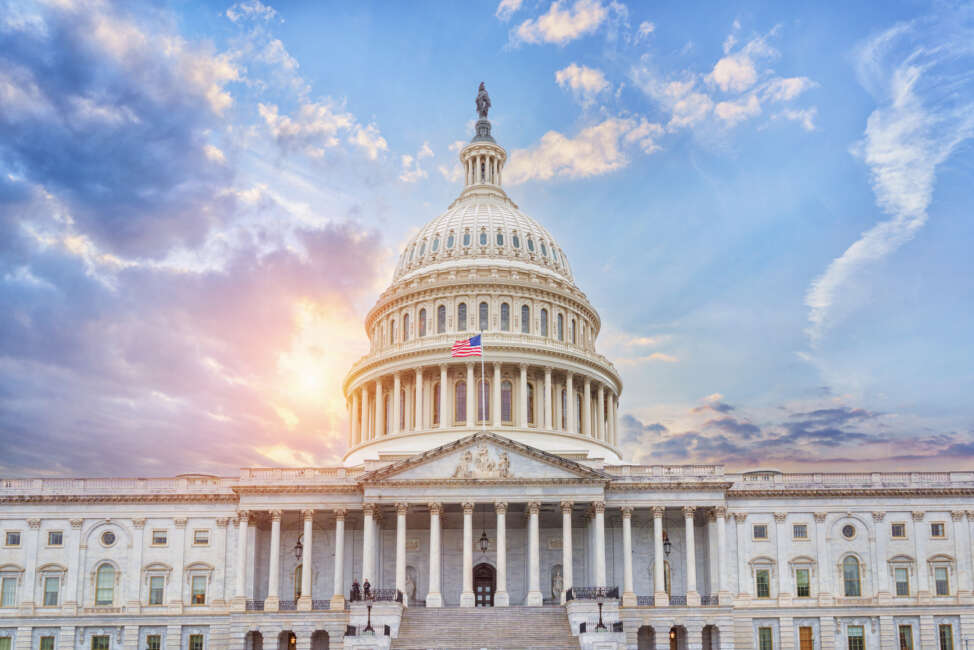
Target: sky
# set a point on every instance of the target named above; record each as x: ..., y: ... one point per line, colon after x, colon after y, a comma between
x: 768, y: 203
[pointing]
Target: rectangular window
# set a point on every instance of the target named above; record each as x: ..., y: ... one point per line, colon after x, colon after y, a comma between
x: 52, y: 585
x: 199, y: 590
x: 9, y: 597
x: 905, y: 633
x: 898, y: 530
x: 942, y: 581
x: 157, y: 588
x: 100, y: 643
x: 762, y: 580
x: 765, y: 638
x: 856, y: 637
x: 902, y: 581
x: 201, y: 537
x: 806, y: 638
x: 55, y: 538
x: 937, y: 529
x: 160, y: 537
x: 153, y: 642
x: 47, y: 643
x: 760, y: 531
x: 799, y: 531
x: 12, y: 538
x: 195, y: 642
x: 802, y: 586
x: 946, y: 637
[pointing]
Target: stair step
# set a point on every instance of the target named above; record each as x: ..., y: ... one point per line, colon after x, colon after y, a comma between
x: 502, y: 628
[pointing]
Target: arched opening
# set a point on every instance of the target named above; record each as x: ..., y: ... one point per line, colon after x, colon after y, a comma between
x: 525, y: 319
x: 287, y: 641
x: 441, y: 319
x: 544, y: 322
x: 484, y: 314
x: 505, y: 317
x: 483, y: 400
x: 402, y: 409
x: 405, y: 327
x: 646, y: 638
x: 530, y: 403
x: 851, y: 577
x: 678, y: 638
x: 578, y: 412
x: 462, y: 316
x: 711, y: 637
x: 436, y: 403
x: 105, y: 585
x: 386, y: 412
x: 484, y: 584
x: 319, y: 640
x: 460, y: 403
x: 422, y: 323
x: 254, y: 641
x: 564, y: 409
x: 561, y: 328
x: 507, y: 410
x: 297, y: 582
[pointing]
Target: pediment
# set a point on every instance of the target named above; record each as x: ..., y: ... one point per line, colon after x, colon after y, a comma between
x: 484, y: 457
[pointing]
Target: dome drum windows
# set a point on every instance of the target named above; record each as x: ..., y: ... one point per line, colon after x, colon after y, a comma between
x: 505, y: 317
x: 500, y: 238
x: 462, y: 317
x: 525, y: 319
x: 441, y: 319
x: 483, y: 237
x: 422, y: 322
x: 436, y: 244
x: 450, y: 240
x: 530, y: 245
x: 405, y: 327
x: 466, y: 238
x: 544, y: 322
x: 484, y: 317
x: 516, y: 241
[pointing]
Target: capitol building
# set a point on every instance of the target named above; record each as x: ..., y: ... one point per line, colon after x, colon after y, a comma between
x: 486, y: 502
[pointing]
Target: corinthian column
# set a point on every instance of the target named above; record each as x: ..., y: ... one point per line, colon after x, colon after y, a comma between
x: 566, y: 547
x: 661, y: 598
x: 571, y: 425
x: 501, y: 597
x: 307, y: 561
x: 434, y: 598
x: 338, y: 589
x: 587, y: 408
x: 380, y: 411
x: 401, y: 510
x: 723, y: 595
x: 418, y: 408
x: 523, y: 399
x: 628, y: 591
x: 693, y: 596
x: 534, y: 557
x: 364, y: 425
x: 599, y: 507
x: 600, y: 417
x: 274, y: 564
x: 239, y: 591
x: 547, y: 399
x: 466, y: 596
x: 368, y: 552
x: 397, y: 404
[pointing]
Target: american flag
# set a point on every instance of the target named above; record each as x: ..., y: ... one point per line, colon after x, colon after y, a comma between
x: 468, y: 348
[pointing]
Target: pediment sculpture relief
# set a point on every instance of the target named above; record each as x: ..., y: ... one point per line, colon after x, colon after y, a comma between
x: 483, y: 464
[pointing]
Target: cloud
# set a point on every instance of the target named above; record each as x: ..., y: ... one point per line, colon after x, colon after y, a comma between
x: 318, y: 126
x: 411, y: 171
x: 917, y: 74
x: 734, y: 426
x: 507, y: 8
x: 251, y: 10
x: 805, y: 117
x: 561, y: 24
x: 585, y: 83
x: 644, y: 30
x: 635, y: 431
x: 737, y: 72
x: 646, y: 358
x: 783, y: 90
x: 735, y: 112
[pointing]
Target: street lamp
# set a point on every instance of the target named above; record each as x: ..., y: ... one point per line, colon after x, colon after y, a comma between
x: 484, y: 542
x: 298, y: 550
x: 667, y: 544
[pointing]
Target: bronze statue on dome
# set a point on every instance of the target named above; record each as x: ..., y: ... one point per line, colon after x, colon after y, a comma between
x: 483, y: 102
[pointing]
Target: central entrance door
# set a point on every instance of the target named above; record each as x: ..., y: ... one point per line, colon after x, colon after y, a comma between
x: 484, y: 584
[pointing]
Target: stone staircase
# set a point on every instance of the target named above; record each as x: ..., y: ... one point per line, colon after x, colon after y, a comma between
x: 493, y: 628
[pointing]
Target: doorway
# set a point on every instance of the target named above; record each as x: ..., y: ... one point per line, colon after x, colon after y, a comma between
x: 484, y: 584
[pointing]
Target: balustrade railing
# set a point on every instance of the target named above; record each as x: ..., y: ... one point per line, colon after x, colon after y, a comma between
x: 320, y: 604
x: 708, y: 600
x: 678, y: 601
x: 254, y: 606
x: 592, y: 593
x: 287, y: 605
x: 646, y: 601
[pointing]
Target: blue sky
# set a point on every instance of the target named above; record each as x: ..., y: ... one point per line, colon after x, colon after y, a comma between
x: 769, y: 206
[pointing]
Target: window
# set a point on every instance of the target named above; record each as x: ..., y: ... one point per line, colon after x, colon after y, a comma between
x: 946, y: 634
x: 483, y: 400
x: 201, y: 537
x: 530, y: 403
x: 765, y: 636
x: 561, y: 327
x: 55, y: 538
x: 422, y: 249
x: 153, y: 642
x: 436, y: 244
x: 507, y: 414
x: 905, y: 634
x: 799, y: 531
x: 297, y: 582
x: 195, y: 642
x: 898, y: 531
x: 516, y: 241
x: 157, y: 590
x: 460, y: 403
x: 530, y: 244
x: 762, y: 583
x: 856, y: 637
x: 544, y: 250
x: 544, y: 322
x: 9, y: 593
x: 902, y: 578
x: 402, y: 409
x: 100, y: 643
x: 564, y: 409
x: 12, y: 538
x: 462, y: 316
x: 436, y: 403
x: 105, y: 585
x: 160, y: 537
x: 500, y: 239
x: 47, y: 643
x: 578, y: 412
x: 483, y: 313
x: 386, y: 414
x: 505, y: 317
x: 802, y: 584
x: 108, y: 538
x: 422, y: 323
x: 483, y: 238
x: 941, y: 581
x: 848, y: 531
x: 806, y: 638
x: 850, y: 576
x: 759, y: 531
x: 52, y: 585
x: 937, y: 529
x: 525, y: 319
x: 392, y: 331
x: 198, y: 596
x: 450, y: 240
x: 441, y: 319
x: 466, y: 239
x: 573, y: 330
x: 405, y: 327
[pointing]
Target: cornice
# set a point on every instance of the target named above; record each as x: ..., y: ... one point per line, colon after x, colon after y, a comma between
x: 118, y: 498
x: 667, y: 485
x: 854, y: 492
x: 284, y: 488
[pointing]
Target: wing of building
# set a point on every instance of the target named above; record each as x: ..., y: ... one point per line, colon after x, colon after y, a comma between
x: 484, y: 502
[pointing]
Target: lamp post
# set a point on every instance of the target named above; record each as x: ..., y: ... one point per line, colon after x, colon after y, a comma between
x: 600, y: 596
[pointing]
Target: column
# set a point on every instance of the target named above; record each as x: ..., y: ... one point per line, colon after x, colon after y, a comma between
x: 587, y: 408
x: 628, y: 591
x: 534, y: 557
x: 356, y: 424
x: 401, y: 510
x: 501, y: 597
x: 566, y: 547
x: 661, y: 598
x: 135, y: 565
x: 364, y: 425
x: 599, y: 543
x: 73, y: 555
x: 523, y: 397
x: 380, y: 411
x: 781, y: 538
x: 446, y: 409
x: 307, y: 560
x: 962, y: 550
x: 418, y: 408
x: 466, y: 596
x: 471, y: 398
x: 615, y: 419
x: 879, y: 538
x: 919, y: 535
x: 723, y: 593
x: 570, y: 404
x: 30, y: 544
x: 825, y: 596
x: 179, y: 546
x: 547, y: 399
x: 239, y: 593
x: 397, y: 404
x: 693, y: 596
x: 495, y: 403
x: 600, y: 418
x: 338, y: 588
x: 272, y: 601
x: 434, y: 598
x: 368, y: 547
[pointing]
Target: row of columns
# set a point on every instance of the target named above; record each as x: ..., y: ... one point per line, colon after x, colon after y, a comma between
x: 366, y: 406
x: 491, y: 170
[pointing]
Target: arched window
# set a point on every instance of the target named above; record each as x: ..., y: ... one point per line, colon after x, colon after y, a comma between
x: 436, y: 403
x: 573, y: 330
x: 525, y: 319
x: 561, y: 327
x: 450, y: 240
x: 564, y: 409
x: 436, y: 244
x: 505, y: 317
x: 530, y: 403
x: 422, y: 249
x: 387, y: 413
x: 483, y: 238
x: 105, y: 585
x: 483, y: 400
x: 460, y: 403
x: 578, y: 412
x: 544, y: 322
x: 466, y: 238
x: 405, y: 327
x: 516, y: 241
x: 402, y: 409
x: 392, y: 331
x: 441, y: 319
x: 544, y: 251
x: 507, y: 413
x: 500, y: 239
x: 422, y: 322
x: 462, y: 316
x: 484, y: 312
x: 530, y: 244
x: 851, y: 577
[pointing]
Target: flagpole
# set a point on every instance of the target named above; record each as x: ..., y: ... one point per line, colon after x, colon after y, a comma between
x: 483, y: 384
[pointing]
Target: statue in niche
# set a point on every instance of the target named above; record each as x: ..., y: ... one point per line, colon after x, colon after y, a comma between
x: 411, y: 582
x: 557, y: 582
x: 483, y: 101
